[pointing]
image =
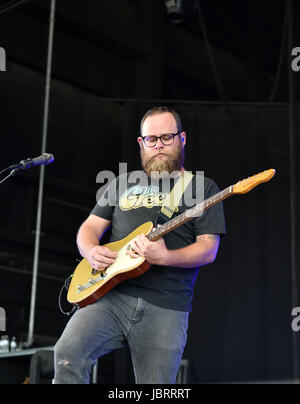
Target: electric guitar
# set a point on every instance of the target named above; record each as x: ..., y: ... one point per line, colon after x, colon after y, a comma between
x: 89, y: 285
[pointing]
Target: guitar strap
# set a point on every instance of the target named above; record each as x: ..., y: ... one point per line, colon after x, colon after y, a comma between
x: 173, y: 199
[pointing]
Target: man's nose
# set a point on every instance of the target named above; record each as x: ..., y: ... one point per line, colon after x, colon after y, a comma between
x: 159, y: 144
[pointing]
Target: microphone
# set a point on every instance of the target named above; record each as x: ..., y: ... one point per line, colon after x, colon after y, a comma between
x: 42, y: 160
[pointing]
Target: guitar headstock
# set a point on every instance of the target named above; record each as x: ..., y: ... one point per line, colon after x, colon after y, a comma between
x: 244, y: 186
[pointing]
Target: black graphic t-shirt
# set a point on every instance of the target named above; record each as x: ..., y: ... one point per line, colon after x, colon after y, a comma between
x: 128, y: 203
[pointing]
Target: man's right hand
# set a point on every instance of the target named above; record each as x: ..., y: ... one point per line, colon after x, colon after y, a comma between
x: 100, y: 257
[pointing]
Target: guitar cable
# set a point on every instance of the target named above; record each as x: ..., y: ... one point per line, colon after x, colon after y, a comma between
x: 66, y: 286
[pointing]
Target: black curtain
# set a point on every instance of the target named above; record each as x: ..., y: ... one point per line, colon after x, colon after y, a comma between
x: 240, y: 326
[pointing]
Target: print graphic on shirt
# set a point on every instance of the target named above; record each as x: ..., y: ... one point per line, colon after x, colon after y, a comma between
x: 140, y: 196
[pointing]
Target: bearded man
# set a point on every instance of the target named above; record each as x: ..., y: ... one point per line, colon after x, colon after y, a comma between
x: 148, y: 313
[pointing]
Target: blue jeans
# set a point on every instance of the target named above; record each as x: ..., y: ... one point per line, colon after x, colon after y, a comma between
x: 156, y: 338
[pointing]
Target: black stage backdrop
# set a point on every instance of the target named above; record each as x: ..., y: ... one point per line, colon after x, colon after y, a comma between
x: 240, y: 326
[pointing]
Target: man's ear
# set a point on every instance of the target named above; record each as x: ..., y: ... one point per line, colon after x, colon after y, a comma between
x: 183, y: 138
x: 140, y: 141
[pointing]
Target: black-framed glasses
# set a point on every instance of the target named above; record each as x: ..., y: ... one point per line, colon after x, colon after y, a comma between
x: 167, y: 139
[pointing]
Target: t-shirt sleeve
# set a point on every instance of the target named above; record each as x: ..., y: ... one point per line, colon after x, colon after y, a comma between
x: 106, y: 201
x: 212, y: 221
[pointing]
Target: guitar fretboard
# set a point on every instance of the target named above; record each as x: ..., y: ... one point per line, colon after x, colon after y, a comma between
x: 189, y: 214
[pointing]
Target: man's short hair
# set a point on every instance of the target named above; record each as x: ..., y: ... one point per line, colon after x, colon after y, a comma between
x: 162, y: 110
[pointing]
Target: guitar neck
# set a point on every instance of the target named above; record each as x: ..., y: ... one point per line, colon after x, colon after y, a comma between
x: 189, y: 214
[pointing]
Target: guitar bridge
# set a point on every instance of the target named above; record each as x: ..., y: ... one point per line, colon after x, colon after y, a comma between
x: 91, y: 281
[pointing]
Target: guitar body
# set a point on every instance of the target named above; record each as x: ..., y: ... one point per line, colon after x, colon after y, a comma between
x: 87, y: 287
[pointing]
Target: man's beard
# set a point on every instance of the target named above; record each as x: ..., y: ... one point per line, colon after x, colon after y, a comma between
x: 172, y: 163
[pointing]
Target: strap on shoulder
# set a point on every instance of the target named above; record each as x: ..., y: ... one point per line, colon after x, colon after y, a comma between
x: 175, y: 195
